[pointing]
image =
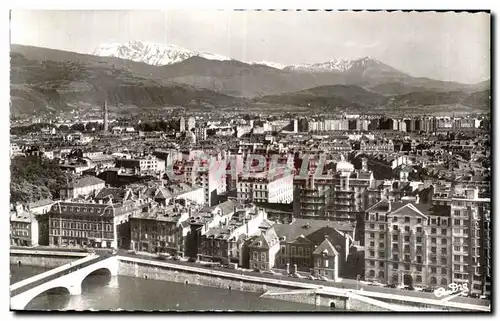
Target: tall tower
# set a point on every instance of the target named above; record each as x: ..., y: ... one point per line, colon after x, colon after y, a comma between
x: 105, y: 116
x: 182, y: 124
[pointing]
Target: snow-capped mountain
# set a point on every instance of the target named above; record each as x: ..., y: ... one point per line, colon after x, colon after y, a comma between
x: 336, y: 65
x: 269, y: 64
x: 151, y: 53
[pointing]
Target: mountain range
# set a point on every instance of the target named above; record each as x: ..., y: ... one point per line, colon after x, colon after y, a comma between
x: 143, y: 74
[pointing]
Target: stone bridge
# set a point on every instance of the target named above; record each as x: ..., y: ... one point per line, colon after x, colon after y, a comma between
x: 68, y: 278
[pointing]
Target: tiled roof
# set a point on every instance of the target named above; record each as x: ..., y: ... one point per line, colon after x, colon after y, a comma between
x: 116, y: 194
x: 86, y: 181
x: 42, y: 202
x: 326, y: 247
x: 308, y: 226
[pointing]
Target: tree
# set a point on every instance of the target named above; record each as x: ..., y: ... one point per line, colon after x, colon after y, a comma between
x: 78, y: 127
x: 34, y: 178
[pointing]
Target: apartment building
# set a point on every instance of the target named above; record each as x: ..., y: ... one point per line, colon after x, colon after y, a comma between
x: 264, y: 187
x: 471, y: 239
x: 23, y: 227
x: 408, y: 244
x: 223, y: 242
x: 161, y: 229
x: 84, y: 186
x: 312, y: 196
x: 87, y: 224
x: 144, y: 164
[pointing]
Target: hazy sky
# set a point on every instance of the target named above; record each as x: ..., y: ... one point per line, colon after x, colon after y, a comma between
x: 445, y: 46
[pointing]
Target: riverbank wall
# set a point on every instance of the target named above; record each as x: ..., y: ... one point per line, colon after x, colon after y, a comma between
x: 309, y: 294
x: 49, y: 259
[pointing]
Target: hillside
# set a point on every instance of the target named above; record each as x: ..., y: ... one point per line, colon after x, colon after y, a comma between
x: 337, y: 96
x: 341, y: 96
x: 44, y: 86
x: 47, y: 81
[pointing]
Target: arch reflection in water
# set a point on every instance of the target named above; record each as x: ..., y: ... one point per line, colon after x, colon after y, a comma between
x: 96, y: 279
x: 55, y: 298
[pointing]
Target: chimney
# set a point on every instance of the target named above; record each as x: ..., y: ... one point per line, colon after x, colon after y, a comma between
x: 105, y: 115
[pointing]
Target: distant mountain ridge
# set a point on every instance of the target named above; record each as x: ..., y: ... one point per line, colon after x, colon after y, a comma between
x: 151, y: 53
x: 45, y: 80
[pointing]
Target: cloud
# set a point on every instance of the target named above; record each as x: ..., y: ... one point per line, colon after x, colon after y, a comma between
x: 360, y: 45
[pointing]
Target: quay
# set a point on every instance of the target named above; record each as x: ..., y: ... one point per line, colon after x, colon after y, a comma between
x: 294, y: 290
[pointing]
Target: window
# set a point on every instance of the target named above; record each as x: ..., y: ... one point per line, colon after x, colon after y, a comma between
x: 381, y: 264
x: 394, y: 227
x: 382, y: 236
x: 371, y: 263
x: 407, y: 238
x: 419, y: 221
x: 456, y: 222
x: 456, y: 258
x: 293, y: 251
x: 263, y: 256
x: 395, y: 266
x: 395, y: 237
x: 419, y: 279
x: 407, y: 229
x: 443, y: 231
x: 433, y: 221
x: 372, y: 226
x: 407, y: 258
x: 419, y: 268
x: 395, y: 219
x: 381, y: 227
x: 433, y: 230
x: 407, y: 219
x: 433, y: 280
x: 372, y: 235
x: 433, y: 250
x: 301, y: 251
x: 419, y: 229
x: 395, y: 246
x: 308, y: 251
x: 381, y: 254
x: 407, y: 249
x: 381, y: 274
x: 456, y: 267
x: 433, y: 240
x: 419, y: 239
x: 325, y: 263
x: 433, y: 269
x: 372, y: 253
x: 444, y: 261
x: 443, y: 271
x: 444, y: 241
x: 407, y: 267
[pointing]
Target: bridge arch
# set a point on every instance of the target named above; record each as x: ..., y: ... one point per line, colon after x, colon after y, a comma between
x: 61, y: 290
x: 72, y: 281
x: 99, y: 271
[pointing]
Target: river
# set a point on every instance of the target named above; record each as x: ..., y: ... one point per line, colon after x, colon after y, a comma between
x: 103, y: 292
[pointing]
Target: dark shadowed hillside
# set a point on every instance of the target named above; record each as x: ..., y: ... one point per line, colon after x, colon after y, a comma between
x: 41, y: 86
